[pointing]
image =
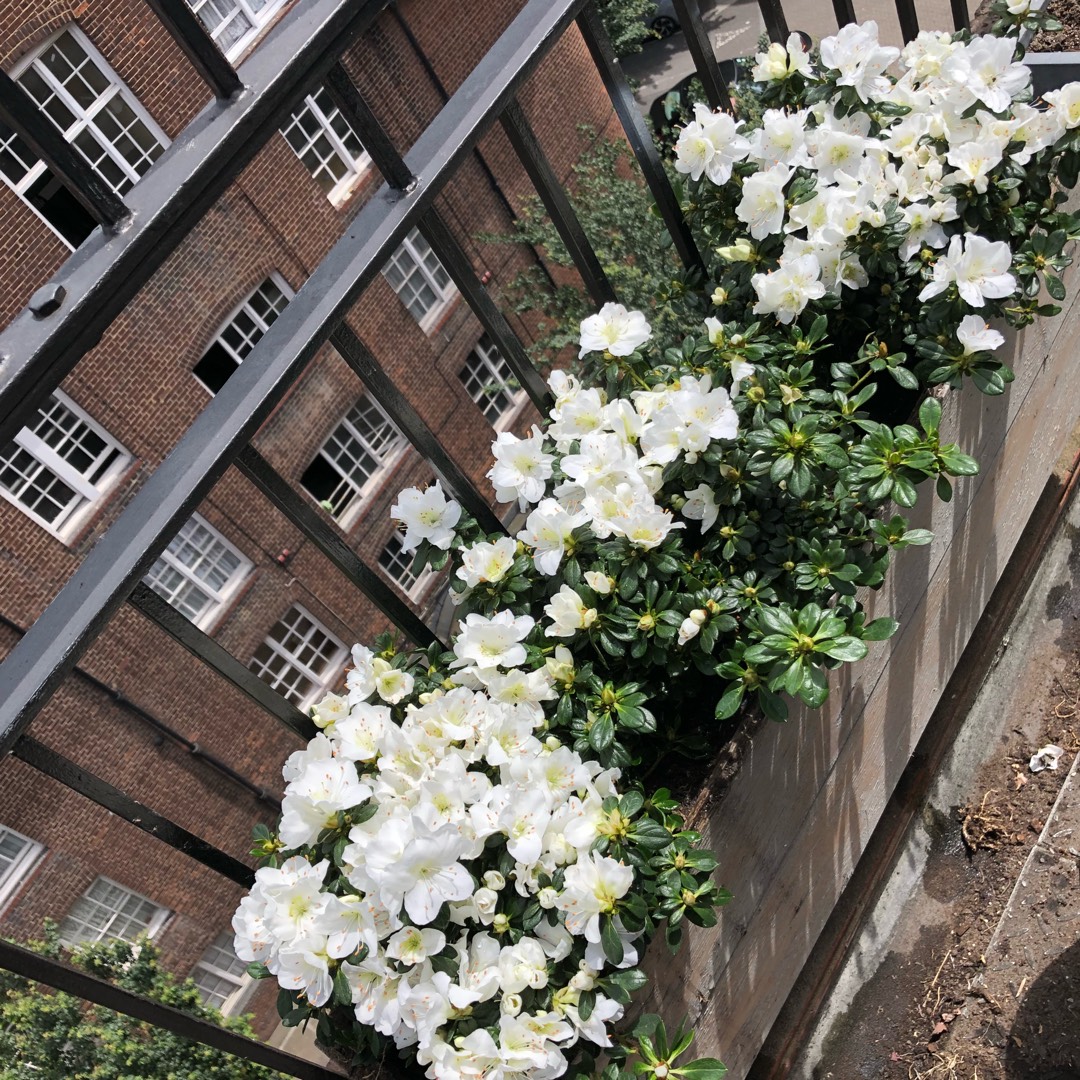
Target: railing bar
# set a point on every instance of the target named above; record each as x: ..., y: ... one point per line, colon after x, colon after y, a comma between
x: 961, y: 19
x: 557, y: 203
x: 99, y: 200
x: 119, y: 560
x: 372, y: 134
x: 443, y: 242
x: 306, y: 518
x: 394, y: 403
x: 638, y: 135
x: 460, y: 268
x: 49, y: 762
x: 187, y: 30
x: 44, y: 969
x: 688, y: 13
x: 909, y: 19
x: 197, y: 642
x: 106, y: 272
x: 845, y: 12
x: 772, y: 12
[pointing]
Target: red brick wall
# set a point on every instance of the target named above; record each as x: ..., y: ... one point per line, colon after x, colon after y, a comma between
x: 138, y: 384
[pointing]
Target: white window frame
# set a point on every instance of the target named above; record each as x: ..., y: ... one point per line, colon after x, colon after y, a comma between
x: 12, y: 878
x: 493, y: 365
x: 258, y: 18
x: 84, y: 117
x: 156, y: 923
x: 243, y: 983
x: 89, y: 493
x: 245, y: 307
x: 320, y: 683
x: 355, y: 167
x: 386, y: 459
x: 411, y: 248
x: 219, y: 598
x: 420, y: 586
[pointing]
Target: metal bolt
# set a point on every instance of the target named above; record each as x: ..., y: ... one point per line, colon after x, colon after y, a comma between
x: 47, y: 300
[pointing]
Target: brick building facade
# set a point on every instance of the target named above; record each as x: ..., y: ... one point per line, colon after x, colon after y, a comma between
x: 120, y: 88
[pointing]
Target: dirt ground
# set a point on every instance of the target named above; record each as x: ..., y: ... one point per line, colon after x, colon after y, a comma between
x: 944, y: 1004
x: 1067, y: 39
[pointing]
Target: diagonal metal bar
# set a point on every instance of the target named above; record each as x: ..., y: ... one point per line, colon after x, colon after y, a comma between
x: 845, y: 12
x: 394, y: 403
x: 187, y: 30
x: 772, y: 13
x: 114, y: 566
x: 688, y: 13
x: 443, y: 242
x: 459, y: 266
x: 57, y: 766
x: 556, y: 201
x: 638, y: 135
x: 107, y: 271
x: 909, y: 19
x: 183, y: 631
x: 23, y: 116
x: 306, y: 518
x: 70, y: 980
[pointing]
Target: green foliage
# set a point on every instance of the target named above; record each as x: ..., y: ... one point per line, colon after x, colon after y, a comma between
x: 629, y: 238
x: 625, y: 22
x: 48, y: 1035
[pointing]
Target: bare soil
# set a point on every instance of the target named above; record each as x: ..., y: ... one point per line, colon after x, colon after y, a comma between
x: 1067, y: 39
x: 930, y: 1011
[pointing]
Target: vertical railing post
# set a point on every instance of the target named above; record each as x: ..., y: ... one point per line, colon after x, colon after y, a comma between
x: 909, y: 19
x: 845, y: 12
x: 772, y: 12
x: 639, y: 136
x: 701, y: 50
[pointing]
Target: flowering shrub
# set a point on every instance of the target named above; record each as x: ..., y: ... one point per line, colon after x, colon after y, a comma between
x: 467, y: 864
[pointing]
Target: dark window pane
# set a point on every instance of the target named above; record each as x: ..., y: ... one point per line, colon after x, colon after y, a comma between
x: 60, y: 209
x: 321, y: 479
x: 215, y: 367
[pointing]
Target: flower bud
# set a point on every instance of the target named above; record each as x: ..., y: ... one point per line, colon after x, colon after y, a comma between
x: 546, y: 898
x: 510, y: 1005
x: 501, y: 923
x: 646, y: 622
x: 583, y: 981
x: 494, y: 880
x: 486, y: 900
x: 552, y: 743
x: 719, y: 296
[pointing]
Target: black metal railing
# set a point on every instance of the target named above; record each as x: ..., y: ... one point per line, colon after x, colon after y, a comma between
x: 68, y: 317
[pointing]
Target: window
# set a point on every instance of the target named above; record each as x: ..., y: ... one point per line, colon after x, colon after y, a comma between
x: 234, y: 24
x: 109, y: 911
x: 59, y: 465
x: 241, y: 333
x: 73, y: 85
x: 299, y: 658
x: 398, y: 566
x: 348, y: 467
x: 198, y: 571
x: 221, y: 976
x: 18, y: 855
x: 323, y: 140
x: 490, y: 382
x: 418, y: 277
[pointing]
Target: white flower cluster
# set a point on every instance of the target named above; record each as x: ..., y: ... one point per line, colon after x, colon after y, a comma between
x: 435, y: 799
x: 961, y: 120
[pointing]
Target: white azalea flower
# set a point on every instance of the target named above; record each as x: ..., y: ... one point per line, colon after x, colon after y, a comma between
x: 701, y: 505
x: 548, y: 532
x: 522, y: 966
x: 762, y: 202
x: 568, y: 614
x: 427, y: 515
x: 710, y: 144
x: 861, y: 60
x: 614, y: 330
x: 494, y: 642
x: 591, y: 888
x: 486, y: 562
x: 978, y: 267
x: 786, y: 290
x: 976, y: 335
x: 779, y: 63
x: 413, y: 945
x: 521, y: 467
